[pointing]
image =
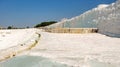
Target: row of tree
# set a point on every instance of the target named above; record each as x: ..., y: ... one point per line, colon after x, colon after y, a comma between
x: 42, y: 24
x: 12, y: 27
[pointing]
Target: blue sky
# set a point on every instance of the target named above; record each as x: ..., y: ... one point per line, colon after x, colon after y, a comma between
x: 22, y: 13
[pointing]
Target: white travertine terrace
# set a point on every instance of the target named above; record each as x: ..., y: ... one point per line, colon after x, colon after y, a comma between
x: 104, y: 17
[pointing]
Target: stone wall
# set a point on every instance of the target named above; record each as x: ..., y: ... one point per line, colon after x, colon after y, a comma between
x: 71, y: 30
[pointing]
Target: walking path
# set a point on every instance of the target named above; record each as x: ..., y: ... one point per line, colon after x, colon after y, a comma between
x: 79, y: 49
x: 76, y: 50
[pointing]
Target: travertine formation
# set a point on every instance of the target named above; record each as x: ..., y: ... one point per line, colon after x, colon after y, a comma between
x: 109, y: 22
x: 105, y: 17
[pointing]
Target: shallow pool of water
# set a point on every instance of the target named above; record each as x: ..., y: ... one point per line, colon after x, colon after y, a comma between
x: 30, y: 61
x: 95, y: 63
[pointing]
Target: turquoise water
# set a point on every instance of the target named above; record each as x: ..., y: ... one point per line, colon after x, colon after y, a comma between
x: 30, y: 61
x: 95, y: 63
x: 37, y: 61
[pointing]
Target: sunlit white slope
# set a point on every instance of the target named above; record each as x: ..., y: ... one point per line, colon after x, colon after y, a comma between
x: 109, y: 21
x: 85, y: 20
x: 105, y: 17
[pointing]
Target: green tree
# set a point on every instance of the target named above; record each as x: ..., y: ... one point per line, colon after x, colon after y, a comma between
x: 43, y: 24
x: 27, y: 27
x: 9, y: 27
